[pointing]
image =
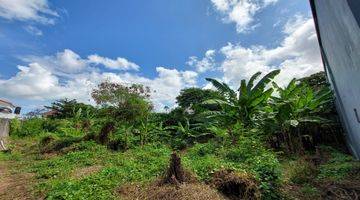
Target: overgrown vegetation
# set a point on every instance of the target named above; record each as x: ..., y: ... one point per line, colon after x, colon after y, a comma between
x: 261, y: 141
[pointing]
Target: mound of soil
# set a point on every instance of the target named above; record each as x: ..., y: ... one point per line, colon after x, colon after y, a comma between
x: 176, y: 184
x: 235, y: 186
x: 346, y: 190
x: 192, y: 191
x: 176, y: 174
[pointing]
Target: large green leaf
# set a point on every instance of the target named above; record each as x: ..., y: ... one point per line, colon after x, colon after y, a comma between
x: 262, y: 98
x: 243, y: 91
x: 223, y: 88
x: 251, y: 81
x: 217, y: 102
x: 266, y: 79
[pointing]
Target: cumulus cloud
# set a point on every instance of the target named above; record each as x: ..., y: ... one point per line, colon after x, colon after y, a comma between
x: 241, y: 12
x: 68, y: 62
x: 62, y: 62
x: 205, y: 64
x: 118, y: 64
x: 37, y: 82
x: 297, y: 56
x: 28, y: 10
x: 33, y: 82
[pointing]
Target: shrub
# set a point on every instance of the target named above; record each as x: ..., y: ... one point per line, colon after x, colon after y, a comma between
x: 15, y: 127
x: 203, y: 149
x: 28, y: 127
x: 50, y: 144
x: 55, y: 125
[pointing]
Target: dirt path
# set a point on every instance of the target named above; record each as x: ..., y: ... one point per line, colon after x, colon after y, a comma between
x: 14, y: 186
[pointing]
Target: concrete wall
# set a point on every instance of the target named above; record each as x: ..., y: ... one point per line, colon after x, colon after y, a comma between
x: 4, y: 132
x: 340, y: 40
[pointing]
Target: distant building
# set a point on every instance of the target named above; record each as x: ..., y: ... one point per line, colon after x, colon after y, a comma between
x: 49, y: 113
x: 8, y: 111
x: 338, y: 28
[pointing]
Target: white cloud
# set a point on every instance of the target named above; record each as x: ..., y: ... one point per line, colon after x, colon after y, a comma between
x: 32, y: 82
x: 68, y: 62
x: 61, y: 63
x: 241, y: 12
x: 28, y: 10
x: 297, y: 56
x: 33, y: 30
x: 118, y: 64
x: 36, y: 82
x: 205, y: 64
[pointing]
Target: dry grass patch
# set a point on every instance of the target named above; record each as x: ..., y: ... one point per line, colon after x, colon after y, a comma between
x: 191, y: 191
x: 86, y: 171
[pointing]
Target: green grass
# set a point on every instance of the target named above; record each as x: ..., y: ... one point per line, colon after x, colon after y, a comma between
x: 338, y: 167
x: 139, y: 164
x: 56, y: 174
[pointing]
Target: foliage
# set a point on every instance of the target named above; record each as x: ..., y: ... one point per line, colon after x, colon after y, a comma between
x: 24, y: 128
x: 128, y: 104
x: 338, y: 167
x: 250, y: 156
x: 186, y: 133
x: 65, y: 108
x: 296, y: 106
x: 299, y: 103
x: 194, y: 97
x: 123, y: 140
x: 301, y: 171
x: 316, y: 81
x: 244, y: 105
x: 139, y: 164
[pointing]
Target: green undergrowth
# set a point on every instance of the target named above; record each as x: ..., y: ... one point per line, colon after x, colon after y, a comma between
x: 57, y: 176
x: 249, y: 157
x: 304, y: 179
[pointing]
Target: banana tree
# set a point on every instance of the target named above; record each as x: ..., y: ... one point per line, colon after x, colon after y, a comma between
x: 296, y: 105
x: 241, y: 108
x: 243, y: 104
x: 189, y: 132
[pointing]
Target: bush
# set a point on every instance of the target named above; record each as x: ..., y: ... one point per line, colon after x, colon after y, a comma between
x: 199, y: 150
x: 55, y: 125
x: 248, y: 156
x: 52, y: 145
x: 15, y: 127
x: 28, y: 127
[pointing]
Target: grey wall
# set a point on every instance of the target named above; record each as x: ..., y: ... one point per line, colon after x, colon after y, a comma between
x: 340, y: 39
x: 4, y: 133
x: 4, y: 128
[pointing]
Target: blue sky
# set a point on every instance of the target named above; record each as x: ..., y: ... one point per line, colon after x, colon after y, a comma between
x: 57, y: 49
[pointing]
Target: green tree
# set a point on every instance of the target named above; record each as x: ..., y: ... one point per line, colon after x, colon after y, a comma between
x: 193, y: 98
x: 241, y: 106
x: 240, y: 110
x: 128, y: 104
x: 65, y: 108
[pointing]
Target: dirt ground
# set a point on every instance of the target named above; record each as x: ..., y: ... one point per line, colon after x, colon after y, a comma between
x: 14, y: 186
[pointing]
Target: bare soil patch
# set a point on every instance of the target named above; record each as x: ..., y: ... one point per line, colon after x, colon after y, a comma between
x: 14, y: 186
